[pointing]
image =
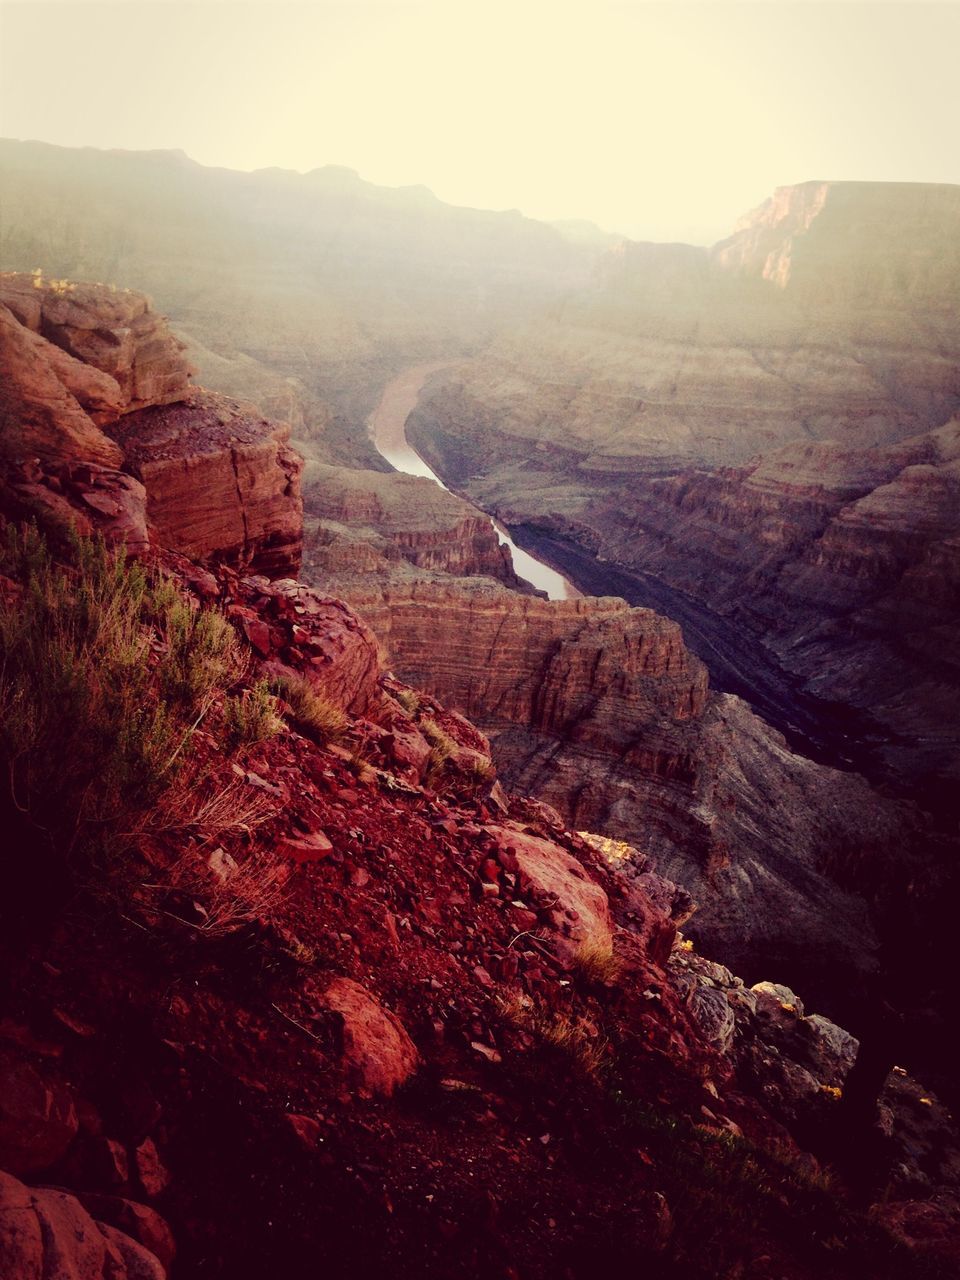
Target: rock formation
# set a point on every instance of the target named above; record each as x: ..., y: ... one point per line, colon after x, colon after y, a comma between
x: 324, y: 996
x: 242, y: 463
x: 766, y: 426
x: 94, y: 377
x: 602, y: 711
x: 301, y: 292
x: 361, y: 519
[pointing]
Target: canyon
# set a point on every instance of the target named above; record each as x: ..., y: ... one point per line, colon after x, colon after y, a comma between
x: 765, y: 429
x: 330, y: 994
x: 745, y: 457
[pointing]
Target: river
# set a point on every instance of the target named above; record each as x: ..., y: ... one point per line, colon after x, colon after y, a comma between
x: 387, y: 427
x: 737, y: 663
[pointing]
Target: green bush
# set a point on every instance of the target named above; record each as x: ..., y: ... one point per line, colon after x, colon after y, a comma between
x: 104, y: 675
x: 252, y: 716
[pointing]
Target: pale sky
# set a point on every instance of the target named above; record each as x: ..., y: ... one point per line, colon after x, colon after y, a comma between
x: 662, y: 121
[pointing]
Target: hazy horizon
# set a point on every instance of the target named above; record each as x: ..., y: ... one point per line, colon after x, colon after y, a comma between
x: 657, y: 121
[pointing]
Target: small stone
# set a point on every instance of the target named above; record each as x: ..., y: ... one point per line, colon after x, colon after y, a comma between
x: 152, y: 1172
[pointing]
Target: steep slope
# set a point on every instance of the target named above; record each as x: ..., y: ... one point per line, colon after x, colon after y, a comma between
x: 602, y: 711
x: 762, y: 425
x: 289, y: 983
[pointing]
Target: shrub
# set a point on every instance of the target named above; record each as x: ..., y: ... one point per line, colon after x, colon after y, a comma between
x: 315, y: 716
x: 93, y: 727
x: 202, y: 654
x: 596, y: 964
x: 442, y: 749
x: 409, y: 699
x: 252, y: 716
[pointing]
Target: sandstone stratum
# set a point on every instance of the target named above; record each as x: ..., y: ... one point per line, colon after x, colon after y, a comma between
x: 92, y: 375
x: 325, y: 996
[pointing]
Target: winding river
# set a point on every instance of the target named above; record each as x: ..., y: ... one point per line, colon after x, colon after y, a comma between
x: 387, y: 427
x: 827, y: 733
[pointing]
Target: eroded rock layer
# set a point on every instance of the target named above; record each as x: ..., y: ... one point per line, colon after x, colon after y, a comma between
x: 603, y: 711
x: 93, y: 377
x: 373, y: 519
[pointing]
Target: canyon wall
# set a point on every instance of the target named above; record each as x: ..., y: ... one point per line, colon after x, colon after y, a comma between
x: 768, y: 426
x: 92, y: 375
x: 375, y: 520
x: 302, y: 292
x: 602, y: 711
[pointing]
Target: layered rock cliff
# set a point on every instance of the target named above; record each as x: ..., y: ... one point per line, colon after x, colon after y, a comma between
x: 389, y: 517
x: 602, y: 711
x: 288, y: 981
x: 94, y: 375
x: 763, y: 426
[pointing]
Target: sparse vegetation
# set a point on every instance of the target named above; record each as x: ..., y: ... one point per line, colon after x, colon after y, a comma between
x: 96, y: 717
x: 315, y: 716
x: 252, y: 891
x: 583, y: 1051
x: 409, y: 699
x: 251, y: 716
x: 442, y: 749
x: 595, y: 964
x: 106, y: 673
x: 202, y: 653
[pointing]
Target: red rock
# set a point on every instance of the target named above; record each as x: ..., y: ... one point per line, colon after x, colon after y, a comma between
x: 306, y: 1130
x: 46, y: 1234
x: 38, y: 1119
x: 138, y: 1221
x: 378, y: 1055
x: 565, y: 883
x: 307, y: 848
x: 152, y: 1173
x: 258, y: 634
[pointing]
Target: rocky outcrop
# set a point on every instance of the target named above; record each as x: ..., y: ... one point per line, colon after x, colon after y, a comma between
x: 252, y: 514
x: 46, y: 1232
x: 591, y: 669
x: 319, y: 913
x: 76, y: 357
x: 94, y: 379
x: 397, y: 517
x: 113, y: 330
x: 602, y: 711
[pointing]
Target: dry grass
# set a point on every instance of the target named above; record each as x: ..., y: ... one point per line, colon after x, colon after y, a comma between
x: 442, y: 750
x: 562, y: 1034
x: 254, y: 891
x: 596, y: 964
x: 409, y: 699
x: 315, y: 716
x: 209, y: 809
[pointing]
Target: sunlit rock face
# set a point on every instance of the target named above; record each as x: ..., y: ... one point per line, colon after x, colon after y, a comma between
x: 76, y: 357
x: 94, y: 377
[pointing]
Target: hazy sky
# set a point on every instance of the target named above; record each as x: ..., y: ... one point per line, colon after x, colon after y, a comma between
x: 658, y: 120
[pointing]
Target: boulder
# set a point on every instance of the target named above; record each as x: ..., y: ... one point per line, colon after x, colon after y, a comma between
x: 378, y: 1056
x: 559, y: 879
x: 47, y: 1234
